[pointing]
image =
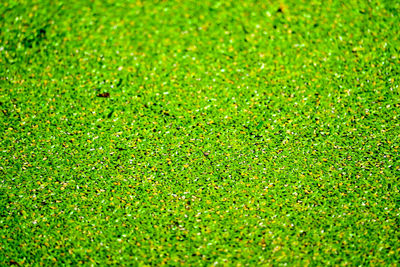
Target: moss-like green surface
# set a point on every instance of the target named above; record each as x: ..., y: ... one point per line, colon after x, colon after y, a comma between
x: 199, y: 132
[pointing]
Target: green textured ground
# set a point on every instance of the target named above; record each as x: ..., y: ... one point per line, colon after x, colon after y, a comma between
x: 199, y: 132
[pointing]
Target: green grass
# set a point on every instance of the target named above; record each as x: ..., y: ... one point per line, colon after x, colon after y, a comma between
x: 199, y: 132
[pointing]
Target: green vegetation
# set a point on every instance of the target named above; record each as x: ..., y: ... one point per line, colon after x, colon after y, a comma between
x: 199, y: 132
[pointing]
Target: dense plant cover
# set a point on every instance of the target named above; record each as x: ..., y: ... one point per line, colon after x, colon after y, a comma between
x: 199, y: 132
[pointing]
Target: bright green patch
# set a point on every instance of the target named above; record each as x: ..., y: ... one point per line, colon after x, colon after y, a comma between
x: 199, y: 132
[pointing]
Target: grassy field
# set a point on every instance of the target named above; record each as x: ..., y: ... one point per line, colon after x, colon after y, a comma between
x: 199, y: 133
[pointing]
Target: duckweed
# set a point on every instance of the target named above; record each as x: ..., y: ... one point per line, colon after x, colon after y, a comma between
x: 199, y: 132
